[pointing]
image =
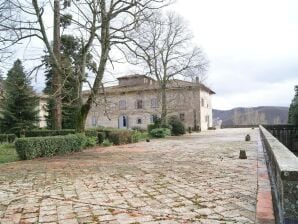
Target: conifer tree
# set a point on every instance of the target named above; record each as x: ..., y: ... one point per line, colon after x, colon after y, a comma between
x: 293, y: 110
x: 20, y: 105
x: 70, y: 54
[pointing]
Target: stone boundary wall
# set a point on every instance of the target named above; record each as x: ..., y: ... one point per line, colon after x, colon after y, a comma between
x: 283, y: 170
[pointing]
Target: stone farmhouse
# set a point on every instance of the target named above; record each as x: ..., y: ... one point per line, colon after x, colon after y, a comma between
x: 135, y: 102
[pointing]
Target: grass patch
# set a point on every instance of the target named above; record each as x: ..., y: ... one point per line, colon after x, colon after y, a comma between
x: 8, y: 153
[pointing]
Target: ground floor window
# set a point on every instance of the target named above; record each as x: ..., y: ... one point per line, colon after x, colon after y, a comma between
x: 182, y: 116
x: 139, y: 121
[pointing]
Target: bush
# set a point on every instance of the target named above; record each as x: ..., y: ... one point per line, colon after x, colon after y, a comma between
x: 139, y: 136
x: 7, y: 138
x: 30, y: 148
x: 90, y: 141
x: 150, y: 127
x: 120, y: 137
x: 178, y: 127
x: 44, y: 132
x: 91, y: 133
x: 140, y: 129
x: 160, y: 132
x: 107, y: 143
x: 11, y: 138
x: 100, y: 137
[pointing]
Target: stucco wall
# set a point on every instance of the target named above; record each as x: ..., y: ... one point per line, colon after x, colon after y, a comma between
x: 206, y: 110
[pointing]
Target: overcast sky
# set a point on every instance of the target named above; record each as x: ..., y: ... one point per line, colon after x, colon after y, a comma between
x: 252, y: 46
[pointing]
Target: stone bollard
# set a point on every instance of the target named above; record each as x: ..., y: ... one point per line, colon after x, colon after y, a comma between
x: 247, y: 138
x: 242, y: 154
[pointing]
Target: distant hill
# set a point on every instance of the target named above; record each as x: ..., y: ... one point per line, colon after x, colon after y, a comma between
x: 252, y: 116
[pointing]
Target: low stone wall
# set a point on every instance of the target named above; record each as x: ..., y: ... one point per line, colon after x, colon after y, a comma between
x: 283, y: 168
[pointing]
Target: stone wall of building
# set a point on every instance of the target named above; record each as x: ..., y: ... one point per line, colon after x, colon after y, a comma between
x: 283, y: 167
x: 183, y: 102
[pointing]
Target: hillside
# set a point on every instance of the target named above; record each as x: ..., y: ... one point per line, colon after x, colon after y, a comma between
x: 253, y: 115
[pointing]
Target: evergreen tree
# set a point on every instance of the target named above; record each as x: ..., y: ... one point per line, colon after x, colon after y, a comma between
x: 70, y: 54
x: 293, y: 110
x: 20, y: 105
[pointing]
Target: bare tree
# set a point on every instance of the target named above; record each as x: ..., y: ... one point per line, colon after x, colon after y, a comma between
x: 57, y: 76
x: 163, y: 44
x: 101, y: 25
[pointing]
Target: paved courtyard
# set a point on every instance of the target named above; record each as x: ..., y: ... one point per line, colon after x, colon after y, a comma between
x: 196, y: 178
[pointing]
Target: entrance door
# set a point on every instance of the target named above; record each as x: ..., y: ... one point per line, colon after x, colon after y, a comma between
x: 123, y: 121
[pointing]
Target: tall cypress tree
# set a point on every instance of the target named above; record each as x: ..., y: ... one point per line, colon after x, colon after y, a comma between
x: 20, y: 104
x: 293, y: 110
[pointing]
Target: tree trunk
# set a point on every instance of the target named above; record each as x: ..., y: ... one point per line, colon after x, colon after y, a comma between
x: 105, y: 49
x: 82, y: 116
x: 57, y: 82
x: 163, y: 104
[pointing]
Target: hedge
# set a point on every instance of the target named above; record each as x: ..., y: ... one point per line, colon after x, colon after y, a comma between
x: 44, y: 132
x: 7, y: 138
x: 91, y: 133
x: 139, y: 136
x: 29, y: 148
x: 160, y: 132
x: 119, y: 137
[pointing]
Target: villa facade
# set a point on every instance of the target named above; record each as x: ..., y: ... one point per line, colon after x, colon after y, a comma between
x: 135, y: 102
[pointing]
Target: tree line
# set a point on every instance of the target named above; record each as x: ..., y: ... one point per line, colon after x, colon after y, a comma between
x: 86, y: 35
x: 293, y: 110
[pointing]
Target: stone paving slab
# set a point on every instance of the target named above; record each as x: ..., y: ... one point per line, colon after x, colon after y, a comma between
x: 195, y: 178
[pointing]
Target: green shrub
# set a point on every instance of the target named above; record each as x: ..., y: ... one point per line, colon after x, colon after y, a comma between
x: 160, y: 132
x: 30, y: 148
x: 11, y: 138
x: 45, y: 132
x: 7, y: 138
x: 139, y: 136
x: 120, y: 137
x: 178, y: 127
x: 3, y: 138
x: 100, y: 137
x: 150, y: 127
x: 140, y: 129
x: 90, y: 141
x: 91, y: 133
x: 107, y: 143
x: 8, y: 153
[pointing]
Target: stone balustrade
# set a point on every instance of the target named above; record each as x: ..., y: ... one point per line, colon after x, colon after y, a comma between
x: 283, y: 168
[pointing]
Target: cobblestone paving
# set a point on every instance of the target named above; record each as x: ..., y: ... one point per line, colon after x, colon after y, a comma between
x: 196, y: 178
